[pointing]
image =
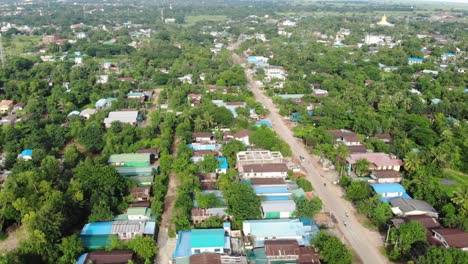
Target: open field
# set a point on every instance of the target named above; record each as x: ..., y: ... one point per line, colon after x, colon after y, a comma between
x: 19, y: 45
x: 192, y: 20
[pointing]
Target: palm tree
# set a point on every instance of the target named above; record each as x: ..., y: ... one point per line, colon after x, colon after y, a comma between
x: 460, y: 198
x: 208, y: 120
x: 412, y: 161
x: 198, y: 124
x: 439, y: 156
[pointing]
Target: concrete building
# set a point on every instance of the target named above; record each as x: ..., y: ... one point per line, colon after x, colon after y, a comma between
x: 126, y: 117
x: 268, y: 170
x: 410, y: 207
x: 258, y: 157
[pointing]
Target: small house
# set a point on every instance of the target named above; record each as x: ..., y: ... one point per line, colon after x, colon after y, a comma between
x: 390, y: 191
x: 88, y: 112
x: 412, y: 61
x: 199, y: 215
x: 197, y: 241
x: 223, y: 165
x: 409, y: 207
x: 386, y: 176
x: 154, y: 153
x: 377, y: 160
x: 26, y: 154
x: 6, y: 106
x: 278, y: 209
x: 126, y: 117
x: 104, y: 103
x: 141, y: 193
x: 202, y: 136
x: 269, y: 170
x: 130, y: 160
x: 9, y: 119
x: 106, y: 257
x: 289, y: 251
x: 452, y: 238
x: 136, y: 214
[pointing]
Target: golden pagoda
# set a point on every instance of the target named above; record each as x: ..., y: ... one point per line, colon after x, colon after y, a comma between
x: 383, y: 22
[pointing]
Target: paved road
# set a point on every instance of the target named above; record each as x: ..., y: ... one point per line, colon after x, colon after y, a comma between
x: 365, y: 243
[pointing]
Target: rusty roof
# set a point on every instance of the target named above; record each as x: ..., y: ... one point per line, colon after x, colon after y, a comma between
x: 109, y: 257
x: 454, y: 237
x: 205, y: 258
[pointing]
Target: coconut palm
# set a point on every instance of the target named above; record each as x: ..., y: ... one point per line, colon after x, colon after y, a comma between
x: 412, y: 161
x: 198, y: 124
x: 460, y: 198
x: 208, y: 120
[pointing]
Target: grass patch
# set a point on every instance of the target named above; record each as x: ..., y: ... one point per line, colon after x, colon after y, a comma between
x: 192, y: 20
x: 460, y: 178
x: 18, y: 45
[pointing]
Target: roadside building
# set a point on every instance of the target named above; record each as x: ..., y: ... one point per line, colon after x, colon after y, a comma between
x: 409, y: 207
x: 389, y: 191
x: 268, y: 170
x: 197, y: 241
x: 278, y: 209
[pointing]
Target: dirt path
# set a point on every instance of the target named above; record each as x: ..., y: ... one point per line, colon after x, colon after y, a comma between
x: 13, y: 239
x: 167, y: 245
x: 366, y: 243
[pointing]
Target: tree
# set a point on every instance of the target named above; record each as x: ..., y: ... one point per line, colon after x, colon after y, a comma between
x: 331, y: 249
x: 404, y: 238
x: 412, y: 161
x: 358, y: 191
x: 144, y: 247
x: 230, y: 150
x: 362, y: 167
x: 91, y: 136
x: 70, y: 248
x: 243, y: 203
x: 306, y: 208
x: 443, y: 255
x: 460, y: 198
x: 198, y: 124
x: 207, y: 200
x: 209, y: 163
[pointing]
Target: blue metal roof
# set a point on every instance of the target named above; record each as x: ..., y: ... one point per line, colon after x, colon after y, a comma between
x: 223, y: 164
x: 97, y: 228
x: 183, y: 245
x: 449, y: 54
x: 26, y: 152
x: 380, y: 188
x: 81, y: 259
x: 280, y: 228
x: 207, y: 238
x: 270, y: 189
x: 415, y: 59
x: 264, y: 122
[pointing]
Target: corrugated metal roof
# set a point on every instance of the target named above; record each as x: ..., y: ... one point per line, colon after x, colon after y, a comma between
x: 278, y: 206
x: 119, y: 227
x: 206, y: 238
x: 97, y: 228
x: 130, y: 157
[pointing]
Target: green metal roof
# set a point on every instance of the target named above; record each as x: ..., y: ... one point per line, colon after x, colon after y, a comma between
x: 139, y: 211
x: 203, y: 238
x: 130, y: 157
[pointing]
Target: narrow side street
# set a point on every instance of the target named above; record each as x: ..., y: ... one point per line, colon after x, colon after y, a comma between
x: 365, y: 243
x: 167, y: 245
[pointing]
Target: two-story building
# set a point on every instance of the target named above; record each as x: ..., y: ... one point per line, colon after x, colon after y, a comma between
x: 267, y: 170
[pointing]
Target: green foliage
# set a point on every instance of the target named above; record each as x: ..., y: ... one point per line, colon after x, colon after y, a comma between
x: 358, y: 190
x: 243, y: 203
x: 91, y: 136
x: 144, y: 247
x: 70, y: 248
x: 230, y: 150
x: 331, y: 249
x: 209, y: 163
x: 211, y: 222
x: 362, y: 167
x: 404, y: 238
x: 266, y: 138
x: 443, y: 255
x: 308, y: 209
x: 303, y: 183
x: 207, y: 200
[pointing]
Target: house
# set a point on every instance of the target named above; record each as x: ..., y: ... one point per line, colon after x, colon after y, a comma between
x: 258, y: 157
x: 104, y: 103
x: 202, y: 136
x: 196, y: 241
x: 106, y: 257
x: 267, y: 181
x: 88, y: 112
x: 26, y: 154
x: 407, y: 207
x: 377, y: 160
x: 9, y: 119
x: 130, y: 160
x: 199, y: 215
x: 140, y: 204
x: 19, y: 106
x: 102, y: 79
x: 143, y: 176
x: 385, y: 137
x: 289, y: 251
x: 447, y: 56
x: 137, y: 95
x: 258, y: 231
x: 278, y: 209
x: 135, y: 214
x: 257, y: 60
x: 96, y: 235
x: 348, y: 138
x: 389, y: 191
x: 273, y: 193
x: 264, y: 122
x: 6, y: 106
x: 204, y: 146
x: 223, y: 165
x: 207, y: 180
x: 199, y: 155
x: 186, y: 78
x: 213, y: 258
x: 141, y: 193
x: 126, y: 117
x: 452, y: 238
x: 241, y: 135
x: 412, y: 61
x: 154, y: 153
x: 267, y: 170
x: 194, y: 99
x: 231, y: 106
x: 275, y: 72
x: 386, y: 176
